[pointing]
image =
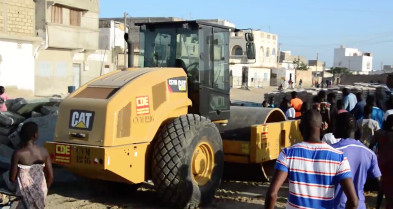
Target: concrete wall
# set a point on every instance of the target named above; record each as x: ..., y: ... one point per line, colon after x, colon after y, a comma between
x: 282, y: 76
x: 306, y: 77
x: 351, y: 79
x: 257, y: 77
x: 56, y: 70
x: 17, y: 17
x: 17, y: 65
x: 72, y: 38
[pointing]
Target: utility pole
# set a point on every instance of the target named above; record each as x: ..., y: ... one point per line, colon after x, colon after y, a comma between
x: 125, y: 43
x: 316, y: 69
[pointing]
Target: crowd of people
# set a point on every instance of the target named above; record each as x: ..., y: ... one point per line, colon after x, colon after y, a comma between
x: 346, y: 143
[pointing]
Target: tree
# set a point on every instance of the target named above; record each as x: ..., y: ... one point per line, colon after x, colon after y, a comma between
x: 339, y: 71
x: 299, y: 65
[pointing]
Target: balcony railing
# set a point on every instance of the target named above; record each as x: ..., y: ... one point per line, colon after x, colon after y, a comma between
x: 238, y: 59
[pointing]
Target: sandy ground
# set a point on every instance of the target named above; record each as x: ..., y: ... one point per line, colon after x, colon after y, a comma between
x: 251, y: 95
x: 71, y: 192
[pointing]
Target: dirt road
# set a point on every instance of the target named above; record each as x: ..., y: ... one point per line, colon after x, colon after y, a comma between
x: 71, y: 192
x: 231, y: 195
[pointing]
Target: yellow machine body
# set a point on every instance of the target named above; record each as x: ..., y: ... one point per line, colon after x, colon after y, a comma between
x: 104, y: 129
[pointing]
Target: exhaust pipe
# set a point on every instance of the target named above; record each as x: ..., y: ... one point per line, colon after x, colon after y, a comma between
x: 130, y: 52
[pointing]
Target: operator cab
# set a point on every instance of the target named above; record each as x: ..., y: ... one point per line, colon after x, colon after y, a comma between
x: 202, y: 50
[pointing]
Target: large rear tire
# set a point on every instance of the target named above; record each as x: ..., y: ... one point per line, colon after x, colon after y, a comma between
x: 187, y: 162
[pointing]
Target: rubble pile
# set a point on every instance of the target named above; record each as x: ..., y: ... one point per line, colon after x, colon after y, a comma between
x: 41, y: 111
x: 308, y: 94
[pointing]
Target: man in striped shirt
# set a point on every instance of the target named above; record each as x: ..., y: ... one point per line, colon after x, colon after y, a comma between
x: 362, y: 160
x: 313, y: 168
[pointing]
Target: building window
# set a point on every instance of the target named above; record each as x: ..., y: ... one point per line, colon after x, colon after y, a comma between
x: 274, y: 37
x: 262, y: 52
x: 237, y: 50
x: 264, y: 76
x: 268, y: 52
x: 57, y: 14
x: 274, y: 52
x: 368, y: 65
x: 75, y: 17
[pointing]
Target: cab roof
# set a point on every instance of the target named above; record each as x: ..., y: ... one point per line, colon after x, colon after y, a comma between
x: 181, y: 23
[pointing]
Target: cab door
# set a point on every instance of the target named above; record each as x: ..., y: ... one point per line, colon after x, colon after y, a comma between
x: 214, y: 73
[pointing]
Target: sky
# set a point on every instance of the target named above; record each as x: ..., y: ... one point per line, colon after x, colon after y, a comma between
x: 304, y: 27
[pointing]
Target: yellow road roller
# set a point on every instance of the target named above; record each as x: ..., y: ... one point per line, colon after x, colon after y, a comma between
x: 169, y: 119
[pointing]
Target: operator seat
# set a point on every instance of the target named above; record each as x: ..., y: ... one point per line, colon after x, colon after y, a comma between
x: 180, y: 63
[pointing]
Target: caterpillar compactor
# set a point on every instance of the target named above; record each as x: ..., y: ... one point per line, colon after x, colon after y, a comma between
x: 161, y: 120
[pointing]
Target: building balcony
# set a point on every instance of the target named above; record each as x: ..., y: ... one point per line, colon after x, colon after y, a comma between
x: 72, y: 37
x: 238, y: 59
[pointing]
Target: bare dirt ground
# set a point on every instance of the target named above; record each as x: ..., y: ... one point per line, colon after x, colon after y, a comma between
x: 71, y: 192
x: 251, y: 95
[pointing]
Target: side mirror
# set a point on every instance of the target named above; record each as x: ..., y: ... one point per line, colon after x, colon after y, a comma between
x: 249, y: 37
x: 250, y: 50
x: 126, y: 37
x: 250, y: 46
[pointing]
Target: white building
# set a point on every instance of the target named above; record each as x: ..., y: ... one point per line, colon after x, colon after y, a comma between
x: 353, y: 59
x: 111, y: 35
x: 285, y: 70
x: 111, y: 38
x: 255, y: 73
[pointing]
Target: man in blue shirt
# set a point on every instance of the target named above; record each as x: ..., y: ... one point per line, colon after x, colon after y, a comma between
x: 362, y: 160
x: 358, y: 110
x: 349, y: 100
x: 376, y: 114
x: 313, y: 168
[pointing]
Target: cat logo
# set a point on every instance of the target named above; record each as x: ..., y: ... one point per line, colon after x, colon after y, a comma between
x: 81, y: 119
x: 177, y: 84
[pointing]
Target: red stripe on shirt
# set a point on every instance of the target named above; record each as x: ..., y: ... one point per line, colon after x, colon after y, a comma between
x: 343, y: 171
x: 282, y: 162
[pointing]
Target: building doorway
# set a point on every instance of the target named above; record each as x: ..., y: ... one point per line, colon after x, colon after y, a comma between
x: 76, y: 67
x: 245, y: 77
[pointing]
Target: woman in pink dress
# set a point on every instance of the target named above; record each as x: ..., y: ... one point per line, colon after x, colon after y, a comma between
x: 3, y: 99
x: 31, y: 168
